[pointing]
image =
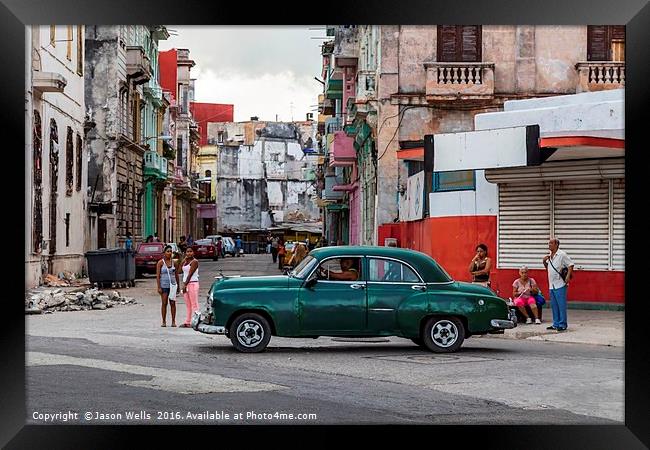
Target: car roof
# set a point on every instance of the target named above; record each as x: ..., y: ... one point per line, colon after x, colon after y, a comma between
x: 423, y: 263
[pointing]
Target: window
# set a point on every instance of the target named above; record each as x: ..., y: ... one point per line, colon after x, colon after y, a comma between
x: 53, y: 35
x: 68, y: 51
x: 67, y: 229
x: 606, y: 43
x: 208, y: 173
x: 69, y: 163
x: 37, y: 235
x: 340, y: 269
x: 391, y: 271
x: 220, y: 137
x: 80, y: 50
x: 79, y: 162
x: 459, y: 43
x: 461, y: 180
x: 415, y: 167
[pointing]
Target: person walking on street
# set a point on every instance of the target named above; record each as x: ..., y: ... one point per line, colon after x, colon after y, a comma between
x: 560, y: 271
x: 274, y: 248
x: 182, y: 244
x: 480, y: 266
x: 167, y: 279
x: 281, y: 252
x: 268, y: 244
x: 190, y: 241
x: 128, y: 243
x: 238, y: 245
x: 190, y: 266
x: 219, y: 248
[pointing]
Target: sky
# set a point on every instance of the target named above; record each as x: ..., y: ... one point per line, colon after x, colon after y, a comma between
x: 263, y: 71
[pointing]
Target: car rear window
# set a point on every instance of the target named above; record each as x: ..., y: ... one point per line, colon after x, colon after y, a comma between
x: 203, y: 242
x: 150, y: 249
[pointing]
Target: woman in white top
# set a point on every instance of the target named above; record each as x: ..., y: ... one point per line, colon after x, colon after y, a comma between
x: 190, y: 290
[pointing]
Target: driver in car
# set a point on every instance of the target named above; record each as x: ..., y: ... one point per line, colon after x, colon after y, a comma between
x: 347, y: 273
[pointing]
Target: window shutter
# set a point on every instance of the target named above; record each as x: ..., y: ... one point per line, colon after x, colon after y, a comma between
x: 471, y: 43
x: 582, y: 221
x: 447, y: 43
x: 524, y: 224
x: 618, y: 32
x: 597, y: 43
x: 618, y: 225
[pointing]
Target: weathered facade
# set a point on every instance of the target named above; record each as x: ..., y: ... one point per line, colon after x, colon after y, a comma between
x: 117, y: 70
x: 264, y: 177
x: 56, y: 165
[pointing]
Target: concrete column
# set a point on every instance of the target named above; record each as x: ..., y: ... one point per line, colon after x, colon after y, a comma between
x: 525, y: 66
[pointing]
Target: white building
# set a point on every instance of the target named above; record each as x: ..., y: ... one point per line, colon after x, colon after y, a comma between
x: 55, y: 164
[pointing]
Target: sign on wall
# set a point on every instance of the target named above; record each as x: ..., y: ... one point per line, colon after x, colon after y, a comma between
x: 414, y: 207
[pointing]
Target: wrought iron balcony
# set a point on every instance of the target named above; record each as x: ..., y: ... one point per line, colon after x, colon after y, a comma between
x: 600, y: 75
x: 459, y: 81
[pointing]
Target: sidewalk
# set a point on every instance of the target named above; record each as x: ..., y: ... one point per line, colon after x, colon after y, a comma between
x: 585, y: 327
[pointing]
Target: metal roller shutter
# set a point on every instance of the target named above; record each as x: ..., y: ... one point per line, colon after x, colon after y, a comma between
x: 618, y: 225
x: 581, y: 221
x: 524, y: 224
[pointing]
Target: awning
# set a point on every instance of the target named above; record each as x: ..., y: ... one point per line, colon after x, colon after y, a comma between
x: 345, y: 187
x: 411, y: 154
x: 582, y: 147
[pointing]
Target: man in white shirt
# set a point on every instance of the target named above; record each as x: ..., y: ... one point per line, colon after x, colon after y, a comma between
x: 555, y: 262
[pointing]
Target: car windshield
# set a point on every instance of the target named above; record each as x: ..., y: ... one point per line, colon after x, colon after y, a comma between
x: 150, y: 248
x: 304, y: 267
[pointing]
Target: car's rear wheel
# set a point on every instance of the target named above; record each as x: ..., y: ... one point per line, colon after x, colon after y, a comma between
x: 250, y: 333
x: 443, y: 334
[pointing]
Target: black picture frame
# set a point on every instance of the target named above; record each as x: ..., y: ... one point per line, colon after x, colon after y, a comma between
x: 635, y: 14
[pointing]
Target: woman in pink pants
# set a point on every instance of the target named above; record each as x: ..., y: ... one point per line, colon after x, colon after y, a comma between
x: 190, y: 285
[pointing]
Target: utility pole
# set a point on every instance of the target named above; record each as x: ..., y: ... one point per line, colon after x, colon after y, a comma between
x: 291, y: 107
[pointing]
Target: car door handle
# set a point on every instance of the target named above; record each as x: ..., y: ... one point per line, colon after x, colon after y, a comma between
x: 357, y: 286
x: 418, y: 287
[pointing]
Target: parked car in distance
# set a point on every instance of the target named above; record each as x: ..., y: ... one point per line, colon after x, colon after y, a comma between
x: 147, y: 256
x: 354, y: 291
x: 205, y: 248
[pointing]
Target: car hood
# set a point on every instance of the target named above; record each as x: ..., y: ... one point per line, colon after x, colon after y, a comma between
x: 275, y: 281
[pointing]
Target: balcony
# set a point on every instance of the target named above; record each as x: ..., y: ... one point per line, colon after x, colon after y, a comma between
x: 155, y: 166
x: 138, y: 66
x: 154, y: 92
x: 600, y: 75
x: 329, y: 193
x: 334, y: 84
x: 342, y: 152
x: 346, y: 45
x: 333, y: 125
x: 48, y: 82
x: 449, y: 81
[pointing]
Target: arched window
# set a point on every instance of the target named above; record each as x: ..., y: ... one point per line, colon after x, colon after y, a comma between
x: 37, y: 230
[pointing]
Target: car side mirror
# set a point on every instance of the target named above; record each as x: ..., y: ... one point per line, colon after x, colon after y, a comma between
x: 311, y: 282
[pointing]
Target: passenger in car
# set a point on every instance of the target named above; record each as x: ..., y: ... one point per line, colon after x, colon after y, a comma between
x: 347, y: 273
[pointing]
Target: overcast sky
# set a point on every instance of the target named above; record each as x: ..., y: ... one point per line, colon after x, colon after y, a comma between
x: 261, y: 70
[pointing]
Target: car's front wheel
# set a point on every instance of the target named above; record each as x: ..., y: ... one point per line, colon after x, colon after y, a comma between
x: 250, y: 333
x: 443, y: 334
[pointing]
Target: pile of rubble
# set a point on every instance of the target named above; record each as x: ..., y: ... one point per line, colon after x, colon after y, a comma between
x: 49, y: 300
x: 64, y: 278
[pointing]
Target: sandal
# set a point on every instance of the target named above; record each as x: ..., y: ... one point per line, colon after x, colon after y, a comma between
x: 173, y: 324
x: 184, y: 325
x: 163, y: 325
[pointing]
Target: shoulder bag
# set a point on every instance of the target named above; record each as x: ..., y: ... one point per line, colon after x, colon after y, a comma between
x: 173, y: 288
x: 563, y: 273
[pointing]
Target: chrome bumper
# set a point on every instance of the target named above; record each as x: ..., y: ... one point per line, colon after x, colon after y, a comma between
x: 502, y: 324
x: 198, y: 325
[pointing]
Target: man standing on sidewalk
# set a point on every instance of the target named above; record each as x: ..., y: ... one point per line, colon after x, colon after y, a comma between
x: 274, y: 248
x: 555, y: 263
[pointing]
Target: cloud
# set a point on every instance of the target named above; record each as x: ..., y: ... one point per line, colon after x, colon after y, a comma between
x: 260, y: 70
x: 263, y: 96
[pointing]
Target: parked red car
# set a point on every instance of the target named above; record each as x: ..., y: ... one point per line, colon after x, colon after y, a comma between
x: 147, y: 256
x: 205, y: 248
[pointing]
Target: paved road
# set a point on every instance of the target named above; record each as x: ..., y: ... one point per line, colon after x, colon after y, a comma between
x: 120, y: 361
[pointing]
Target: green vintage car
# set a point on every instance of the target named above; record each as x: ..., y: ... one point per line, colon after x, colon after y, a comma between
x: 354, y: 292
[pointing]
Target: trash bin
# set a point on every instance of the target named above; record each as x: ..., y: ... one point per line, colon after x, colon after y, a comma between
x: 129, y: 267
x: 107, y: 265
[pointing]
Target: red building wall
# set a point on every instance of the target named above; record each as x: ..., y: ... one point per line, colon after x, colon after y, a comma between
x: 452, y: 242
x: 205, y: 113
x: 168, y: 62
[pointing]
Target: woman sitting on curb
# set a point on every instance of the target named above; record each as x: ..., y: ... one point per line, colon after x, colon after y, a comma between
x: 523, y: 291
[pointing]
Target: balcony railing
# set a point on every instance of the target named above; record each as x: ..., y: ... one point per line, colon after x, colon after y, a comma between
x: 600, y: 75
x: 459, y: 81
x: 333, y: 125
x: 154, y: 91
